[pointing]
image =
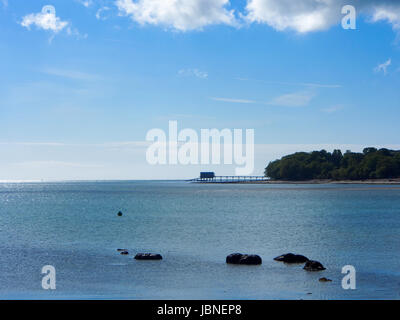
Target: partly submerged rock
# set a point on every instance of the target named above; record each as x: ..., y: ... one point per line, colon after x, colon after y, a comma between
x: 291, y: 258
x: 234, y: 258
x: 124, y: 252
x: 312, y: 265
x: 148, y: 256
x: 325, y: 279
x: 238, y: 258
x: 119, y: 214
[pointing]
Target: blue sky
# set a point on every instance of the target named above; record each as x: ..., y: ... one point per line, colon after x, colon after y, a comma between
x: 79, y: 94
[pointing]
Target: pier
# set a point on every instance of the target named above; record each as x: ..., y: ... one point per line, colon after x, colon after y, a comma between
x: 210, y: 177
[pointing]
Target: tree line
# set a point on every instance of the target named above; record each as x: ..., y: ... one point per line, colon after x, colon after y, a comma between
x: 370, y: 164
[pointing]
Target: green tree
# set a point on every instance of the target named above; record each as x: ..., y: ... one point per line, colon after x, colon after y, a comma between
x: 370, y: 164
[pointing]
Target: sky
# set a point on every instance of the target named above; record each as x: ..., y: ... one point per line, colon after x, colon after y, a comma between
x: 83, y: 81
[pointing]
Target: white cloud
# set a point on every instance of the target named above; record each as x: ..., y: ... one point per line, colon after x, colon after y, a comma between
x: 99, y: 13
x: 70, y: 74
x: 390, y: 14
x: 315, y: 15
x: 233, y: 100
x: 300, y: 15
x: 46, y: 163
x: 86, y: 3
x: 184, y: 117
x: 332, y: 109
x: 297, y: 99
x: 75, y: 32
x: 113, y: 145
x: 383, y: 66
x: 193, y: 73
x: 182, y: 15
x: 46, y: 20
x: 305, y: 84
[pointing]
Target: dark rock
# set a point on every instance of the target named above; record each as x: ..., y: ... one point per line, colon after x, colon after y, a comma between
x: 124, y: 252
x: 325, y: 280
x: 238, y: 258
x: 122, y: 249
x: 119, y: 214
x: 148, y: 256
x: 313, y: 266
x: 291, y: 258
x: 234, y: 258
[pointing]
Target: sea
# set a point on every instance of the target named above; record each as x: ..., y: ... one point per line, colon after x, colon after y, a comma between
x: 74, y: 227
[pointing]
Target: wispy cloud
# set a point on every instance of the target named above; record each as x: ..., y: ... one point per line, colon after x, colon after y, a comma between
x: 231, y: 100
x: 181, y: 116
x: 4, y: 3
x: 383, y: 67
x: 332, y: 109
x: 319, y: 85
x: 297, y: 99
x: 75, y: 32
x: 388, y: 14
x: 304, y: 84
x: 86, y: 3
x: 100, y: 13
x: 193, y: 73
x: 65, y: 144
x: 70, y: 74
x: 48, y: 163
x: 38, y: 144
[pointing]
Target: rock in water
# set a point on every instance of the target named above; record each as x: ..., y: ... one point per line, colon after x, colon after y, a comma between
x: 291, y: 258
x: 238, y: 258
x: 119, y: 214
x: 234, y: 258
x: 124, y: 252
x: 313, y: 266
x: 148, y: 256
x: 325, y: 280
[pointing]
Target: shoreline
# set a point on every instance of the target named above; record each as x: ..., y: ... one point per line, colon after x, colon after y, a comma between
x: 316, y: 181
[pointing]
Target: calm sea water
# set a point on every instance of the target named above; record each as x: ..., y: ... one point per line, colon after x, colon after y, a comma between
x: 74, y: 227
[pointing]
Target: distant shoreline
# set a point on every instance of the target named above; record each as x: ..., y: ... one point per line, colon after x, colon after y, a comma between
x: 317, y: 181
